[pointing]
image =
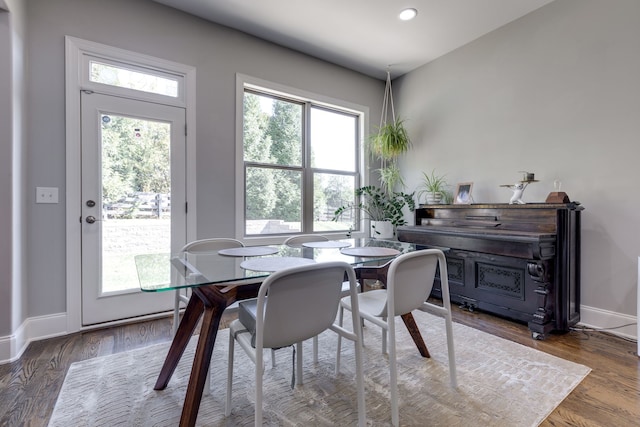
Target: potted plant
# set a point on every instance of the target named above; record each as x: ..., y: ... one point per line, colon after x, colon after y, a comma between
x: 380, y: 207
x: 434, y: 187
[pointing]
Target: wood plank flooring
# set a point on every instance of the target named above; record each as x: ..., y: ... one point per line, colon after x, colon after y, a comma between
x: 609, y: 396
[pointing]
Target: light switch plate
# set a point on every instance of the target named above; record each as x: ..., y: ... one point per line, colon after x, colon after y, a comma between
x: 46, y: 194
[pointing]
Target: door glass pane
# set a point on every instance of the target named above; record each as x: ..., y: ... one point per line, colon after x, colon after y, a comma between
x: 329, y: 193
x: 333, y: 140
x: 273, y: 201
x: 136, y: 196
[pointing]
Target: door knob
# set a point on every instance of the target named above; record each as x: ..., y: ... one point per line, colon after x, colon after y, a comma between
x: 91, y: 219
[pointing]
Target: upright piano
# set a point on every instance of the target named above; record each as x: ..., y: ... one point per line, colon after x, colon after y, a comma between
x: 521, y: 262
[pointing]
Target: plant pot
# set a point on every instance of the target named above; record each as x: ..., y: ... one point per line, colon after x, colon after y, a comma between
x: 433, y: 198
x: 381, y: 230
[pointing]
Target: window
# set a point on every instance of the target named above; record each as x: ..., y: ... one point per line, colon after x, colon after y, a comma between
x: 301, y: 162
x: 129, y: 77
x: 132, y: 79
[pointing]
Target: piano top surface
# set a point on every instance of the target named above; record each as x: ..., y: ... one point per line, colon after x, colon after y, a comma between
x: 555, y: 206
x: 494, y: 233
x: 532, y: 221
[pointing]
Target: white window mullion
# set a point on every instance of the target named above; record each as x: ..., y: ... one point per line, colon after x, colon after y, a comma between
x: 307, y: 188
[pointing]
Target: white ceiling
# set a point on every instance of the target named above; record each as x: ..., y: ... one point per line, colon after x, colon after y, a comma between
x: 364, y: 35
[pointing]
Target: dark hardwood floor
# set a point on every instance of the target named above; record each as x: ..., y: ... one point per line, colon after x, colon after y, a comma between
x: 609, y: 396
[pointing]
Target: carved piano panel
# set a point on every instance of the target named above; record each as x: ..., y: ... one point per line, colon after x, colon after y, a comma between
x: 518, y: 261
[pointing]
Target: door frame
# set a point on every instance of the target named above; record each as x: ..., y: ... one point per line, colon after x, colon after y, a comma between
x: 76, y: 51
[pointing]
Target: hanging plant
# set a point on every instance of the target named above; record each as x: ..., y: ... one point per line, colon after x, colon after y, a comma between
x: 390, y: 141
x: 390, y: 176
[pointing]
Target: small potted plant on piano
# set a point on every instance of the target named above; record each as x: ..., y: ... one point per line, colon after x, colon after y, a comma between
x: 435, y: 189
x: 385, y: 210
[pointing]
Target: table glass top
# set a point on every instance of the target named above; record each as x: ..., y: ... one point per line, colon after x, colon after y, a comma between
x: 156, y: 273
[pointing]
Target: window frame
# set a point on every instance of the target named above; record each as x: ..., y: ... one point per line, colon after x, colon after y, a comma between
x: 309, y: 100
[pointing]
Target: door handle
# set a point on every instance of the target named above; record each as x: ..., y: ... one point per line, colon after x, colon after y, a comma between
x: 90, y: 219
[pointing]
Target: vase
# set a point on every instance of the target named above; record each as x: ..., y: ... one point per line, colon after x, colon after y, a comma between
x: 434, y: 198
x: 381, y: 230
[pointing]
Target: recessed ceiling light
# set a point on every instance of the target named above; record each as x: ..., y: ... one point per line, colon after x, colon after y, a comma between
x: 408, y: 14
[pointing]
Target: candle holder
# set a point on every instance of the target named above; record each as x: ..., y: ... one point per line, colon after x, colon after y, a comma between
x: 557, y: 196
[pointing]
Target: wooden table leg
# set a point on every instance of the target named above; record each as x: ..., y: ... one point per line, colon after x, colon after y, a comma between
x: 208, y: 302
x: 412, y: 327
x: 195, y: 308
x: 208, y: 332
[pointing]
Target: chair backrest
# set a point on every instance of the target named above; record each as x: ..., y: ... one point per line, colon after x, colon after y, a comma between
x: 211, y: 245
x: 201, y: 270
x: 410, y: 280
x: 303, y: 302
x: 297, y: 241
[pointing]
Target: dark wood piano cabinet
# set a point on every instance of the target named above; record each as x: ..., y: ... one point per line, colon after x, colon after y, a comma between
x: 517, y: 261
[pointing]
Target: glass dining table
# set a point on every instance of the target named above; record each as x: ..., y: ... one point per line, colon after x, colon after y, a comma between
x: 218, y: 279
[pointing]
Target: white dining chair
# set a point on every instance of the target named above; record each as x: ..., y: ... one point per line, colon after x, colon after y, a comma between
x: 409, y: 283
x: 297, y: 242
x: 302, y: 303
x: 202, y: 246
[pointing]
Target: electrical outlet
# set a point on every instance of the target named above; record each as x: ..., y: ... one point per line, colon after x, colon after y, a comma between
x: 46, y: 194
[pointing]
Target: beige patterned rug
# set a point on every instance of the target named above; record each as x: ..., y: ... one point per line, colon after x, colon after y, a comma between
x: 501, y: 383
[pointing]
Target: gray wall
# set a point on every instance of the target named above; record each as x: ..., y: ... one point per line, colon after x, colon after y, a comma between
x: 556, y: 92
x: 6, y: 172
x: 217, y: 52
x: 12, y: 165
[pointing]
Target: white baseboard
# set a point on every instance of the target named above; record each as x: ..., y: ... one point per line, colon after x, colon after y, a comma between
x: 597, y: 318
x: 32, y: 329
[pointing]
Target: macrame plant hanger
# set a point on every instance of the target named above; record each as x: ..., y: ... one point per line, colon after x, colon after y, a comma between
x: 387, y: 103
x: 391, y: 141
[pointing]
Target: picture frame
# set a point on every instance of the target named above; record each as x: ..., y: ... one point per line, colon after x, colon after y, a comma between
x: 463, y: 193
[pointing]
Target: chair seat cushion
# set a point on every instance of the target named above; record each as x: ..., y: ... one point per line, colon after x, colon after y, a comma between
x: 372, y: 302
x: 247, y: 310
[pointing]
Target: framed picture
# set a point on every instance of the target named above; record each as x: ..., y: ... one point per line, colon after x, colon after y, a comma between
x: 463, y: 193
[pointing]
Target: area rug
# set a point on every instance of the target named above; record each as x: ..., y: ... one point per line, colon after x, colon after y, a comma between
x: 500, y: 383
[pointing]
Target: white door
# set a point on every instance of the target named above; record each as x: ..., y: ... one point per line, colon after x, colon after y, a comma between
x: 133, y: 201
